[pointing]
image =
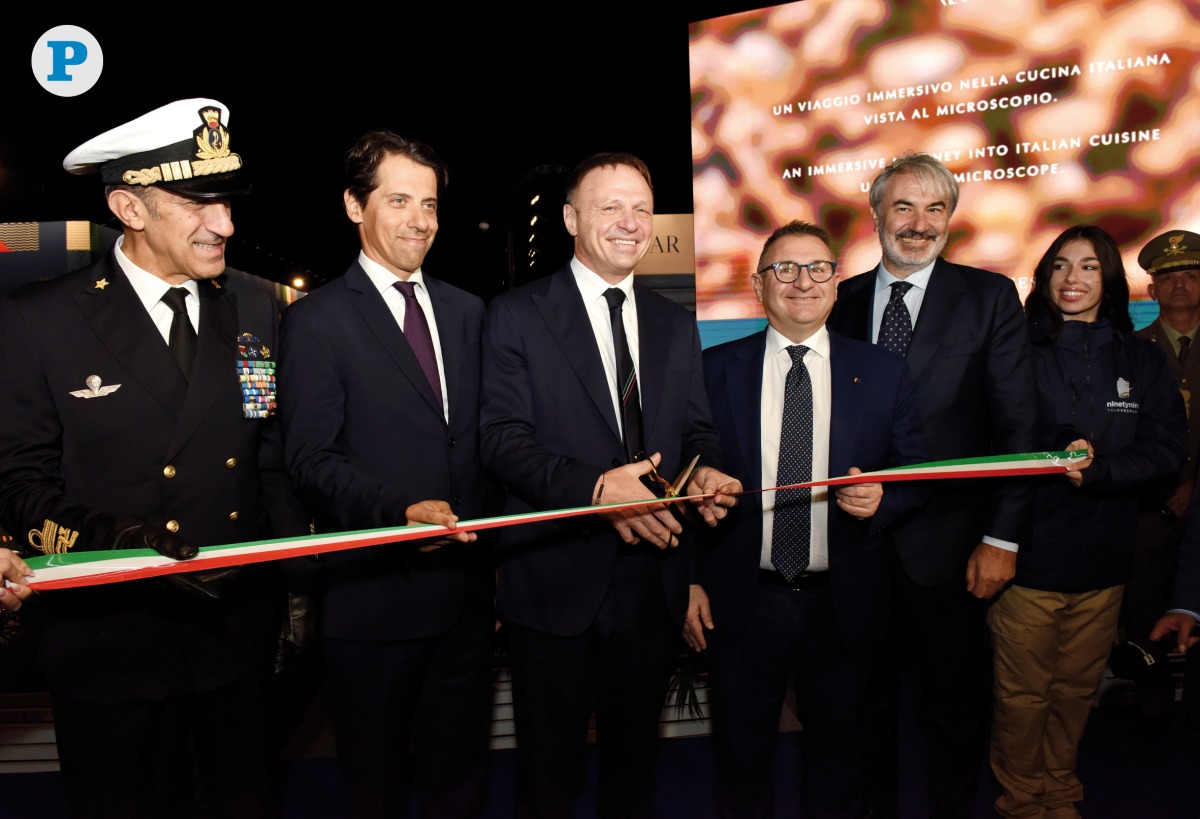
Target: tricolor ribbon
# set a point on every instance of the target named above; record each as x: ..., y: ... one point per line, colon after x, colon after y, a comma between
x: 74, y: 570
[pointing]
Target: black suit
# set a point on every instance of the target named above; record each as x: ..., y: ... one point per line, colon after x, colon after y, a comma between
x: 762, y: 633
x: 407, y: 633
x: 1186, y: 594
x: 971, y: 368
x: 549, y: 431
x: 170, y: 452
x: 1156, y: 550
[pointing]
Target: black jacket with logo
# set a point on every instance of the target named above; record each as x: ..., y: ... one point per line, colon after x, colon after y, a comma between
x: 1116, y: 391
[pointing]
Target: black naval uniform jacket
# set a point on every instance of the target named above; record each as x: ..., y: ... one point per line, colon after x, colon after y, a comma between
x: 74, y: 457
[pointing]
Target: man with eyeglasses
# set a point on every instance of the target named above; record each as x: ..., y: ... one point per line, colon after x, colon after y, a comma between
x: 962, y: 332
x: 794, y: 590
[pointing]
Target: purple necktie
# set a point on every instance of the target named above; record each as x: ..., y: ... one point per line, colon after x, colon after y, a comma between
x: 416, y: 330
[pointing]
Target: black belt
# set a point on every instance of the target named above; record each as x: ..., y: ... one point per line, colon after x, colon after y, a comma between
x: 801, y: 582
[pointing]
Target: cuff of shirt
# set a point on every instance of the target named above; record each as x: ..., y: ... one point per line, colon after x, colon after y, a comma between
x: 1189, y: 612
x: 1006, y: 545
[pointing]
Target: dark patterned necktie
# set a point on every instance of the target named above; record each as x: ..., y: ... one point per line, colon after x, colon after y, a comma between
x: 416, y: 331
x: 627, y: 385
x: 182, y: 336
x: 791, y: 534
x: 895, y: 331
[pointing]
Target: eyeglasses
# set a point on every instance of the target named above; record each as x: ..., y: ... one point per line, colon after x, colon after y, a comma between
x: 787, y: 272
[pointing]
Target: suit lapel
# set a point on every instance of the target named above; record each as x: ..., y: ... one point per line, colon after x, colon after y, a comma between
x: 654, y: 356
x: 939, y: 309
x: 844, y: 396
x: 856, y: 298
x: 124, y: 327
x: 382, y: 323
x: 744, y: 384
x: 563, y: 312
x: 213, y: 372
x: 451, y: 334
x: 1159, y: 336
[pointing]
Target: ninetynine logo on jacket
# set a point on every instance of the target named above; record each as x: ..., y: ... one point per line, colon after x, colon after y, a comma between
x: 67, y: 61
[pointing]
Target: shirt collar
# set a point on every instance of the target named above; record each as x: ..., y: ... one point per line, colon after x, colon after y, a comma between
x: 818, y: 342
x: 1174, y: 335
x: 592, y: 287
x: 884, y: 279
x: 384, y: 279
x: 149, y: 288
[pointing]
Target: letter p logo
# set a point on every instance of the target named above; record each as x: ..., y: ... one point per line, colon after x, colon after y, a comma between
x: 65, y: 53
x: 67, y: 61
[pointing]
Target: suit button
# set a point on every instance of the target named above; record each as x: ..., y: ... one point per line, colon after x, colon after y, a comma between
x: 168, y: 471
x: 456, y: 500
x: 231, y: 463
x: 233, y: 515
x: 172, y: 526
x: 450, y: 440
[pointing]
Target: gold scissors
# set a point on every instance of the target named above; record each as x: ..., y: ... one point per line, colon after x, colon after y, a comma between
x: 671, y: 489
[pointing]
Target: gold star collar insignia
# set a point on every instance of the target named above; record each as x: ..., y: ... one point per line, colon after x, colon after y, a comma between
x: 101, y: 284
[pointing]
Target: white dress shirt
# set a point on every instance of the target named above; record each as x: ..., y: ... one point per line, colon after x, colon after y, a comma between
x: 150, y: 289
x: 912, y: 299
x: 776, y: 364
x: 592, y: 288
x: 385, y: 281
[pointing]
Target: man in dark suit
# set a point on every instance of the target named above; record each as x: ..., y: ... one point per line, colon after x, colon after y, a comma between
x: 1183, y: 617
x: 126, y: 425
x: 592, y: 607
x: 1173, y: 261
x: 765, y: 621
x: 383, y: 411
x: 963, y: 333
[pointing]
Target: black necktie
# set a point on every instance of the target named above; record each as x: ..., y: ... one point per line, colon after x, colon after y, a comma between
x: 895, y: 331
x: 416, y: 331
x: 627, y: 385
x: 1185, y: 344
x: 791, y: 534
x: 182, y: 337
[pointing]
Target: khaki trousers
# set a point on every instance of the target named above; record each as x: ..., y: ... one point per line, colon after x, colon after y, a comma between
x: 1050, y: 653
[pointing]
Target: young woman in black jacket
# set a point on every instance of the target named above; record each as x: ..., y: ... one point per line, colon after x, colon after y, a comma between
x: 1102, y: 389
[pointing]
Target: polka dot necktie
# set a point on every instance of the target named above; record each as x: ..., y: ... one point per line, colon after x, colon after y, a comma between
x: 895, y: 332
x: 627, y: 385
x: 792, y: 532
x: 182, y: 336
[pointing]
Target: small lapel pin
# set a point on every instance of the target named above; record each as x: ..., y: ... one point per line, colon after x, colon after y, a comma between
x: 101, y: 284
x: 94, y: 388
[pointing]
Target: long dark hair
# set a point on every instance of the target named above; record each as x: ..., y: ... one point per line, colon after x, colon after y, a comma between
x: 1043, y: 315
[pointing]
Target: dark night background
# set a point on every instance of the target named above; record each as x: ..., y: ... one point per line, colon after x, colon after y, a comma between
x: 499, y: 95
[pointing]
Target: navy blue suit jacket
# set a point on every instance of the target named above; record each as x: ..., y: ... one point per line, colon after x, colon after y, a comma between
x: 873, y: 425
x: 1187, y: 582
x: 365, y: 437
x: 972, y: 370
x: 549, y: 431
x: 159, y: 447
